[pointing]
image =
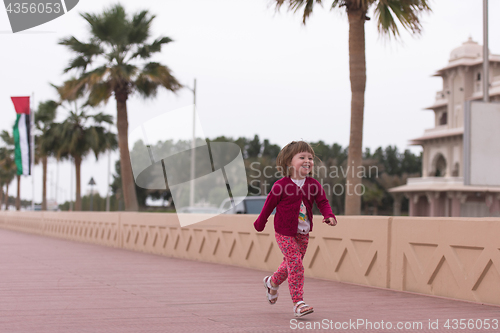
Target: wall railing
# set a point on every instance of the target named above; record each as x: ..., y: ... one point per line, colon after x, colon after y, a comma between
x: 451, y: 257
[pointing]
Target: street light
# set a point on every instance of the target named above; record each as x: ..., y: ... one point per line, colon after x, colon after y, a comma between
x: 191, y: 189
x: 486, y: 55
x: 91, y: 183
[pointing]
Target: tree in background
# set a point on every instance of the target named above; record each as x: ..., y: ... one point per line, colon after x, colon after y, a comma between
x: 259, y: 159
x: 81, y: 132
x: 116, y: 188
x: 372, y: 197
x: 47, y: 143
x: 260, y: 162
x: 395, y: 169
x: 108, y: 64
x: 389, y: 16
x: 330, y: 164
x: 387, y: 168
x: 8, y: 167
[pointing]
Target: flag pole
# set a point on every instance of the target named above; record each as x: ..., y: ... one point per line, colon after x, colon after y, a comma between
x: 32, y: 166
x: 71, y: 162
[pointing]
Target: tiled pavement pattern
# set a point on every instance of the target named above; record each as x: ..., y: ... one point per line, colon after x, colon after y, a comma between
x: 52, y: 285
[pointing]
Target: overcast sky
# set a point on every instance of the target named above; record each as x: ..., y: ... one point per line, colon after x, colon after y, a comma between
x: 258, y: 71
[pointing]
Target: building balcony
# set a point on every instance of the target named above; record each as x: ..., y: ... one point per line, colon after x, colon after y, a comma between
x: 495, y: 84
x: 436, y: 133
x: 441, y: 97
x: 436, y: 180
x: 494, y: 88
x: 437, y: 129
x: 441, y: 100
x: 443, y: 184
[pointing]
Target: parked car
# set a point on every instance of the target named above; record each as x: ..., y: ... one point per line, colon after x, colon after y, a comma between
x: 198, y: 210
x: 245, y: 205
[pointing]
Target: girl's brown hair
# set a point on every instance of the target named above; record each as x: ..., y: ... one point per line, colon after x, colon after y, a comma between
x: 288, y: 152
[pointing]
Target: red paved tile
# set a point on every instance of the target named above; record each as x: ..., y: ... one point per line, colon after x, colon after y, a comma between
x: 53, y: 285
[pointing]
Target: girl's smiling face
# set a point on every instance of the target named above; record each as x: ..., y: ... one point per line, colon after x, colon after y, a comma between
x: 301, y: 165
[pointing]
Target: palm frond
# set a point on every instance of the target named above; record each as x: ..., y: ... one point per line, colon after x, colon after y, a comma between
x: 146, y: 87
x: 295, y: 5
x: 71, y: 89
x: 48, y: 143
x: 7, y: 138
x: 95, y: 76
x: 406, y: 12
x: 100, y: 140
x: 146, y: 50
x: 8, y: 168
x: 154, y: 75
x: 87, y: 49
x: 140, y: 27
x: 111, y: 26
x: 99, y: 92
x: 46, y: 112
x: 123, y: 72
x: 102, y: 118
x: 80, y: 62
x: 82, y: 132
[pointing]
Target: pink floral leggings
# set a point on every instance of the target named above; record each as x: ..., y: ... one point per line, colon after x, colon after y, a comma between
x: 294, y: 249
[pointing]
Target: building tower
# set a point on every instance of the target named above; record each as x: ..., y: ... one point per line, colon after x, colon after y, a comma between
x: 441, y: 190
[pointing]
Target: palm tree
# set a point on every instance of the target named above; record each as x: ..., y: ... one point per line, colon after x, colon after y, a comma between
x: 81, y: 133
x: 388, y: 14
x: 8, y: 167
x: 6, y: 176
x: 47, y: 142
x: 109, y: 64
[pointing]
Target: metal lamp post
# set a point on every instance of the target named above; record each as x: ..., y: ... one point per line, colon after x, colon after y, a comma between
x: 486, y: 64
x: 193, y: 145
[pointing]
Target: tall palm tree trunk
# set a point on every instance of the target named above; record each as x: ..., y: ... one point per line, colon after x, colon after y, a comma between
x: 1, y: 196
x: 44, y: 179
x: 128, y: 184
x: 18, y: 198
x: 78, y: 201
x: 357, y: 69
x: 6, y: 198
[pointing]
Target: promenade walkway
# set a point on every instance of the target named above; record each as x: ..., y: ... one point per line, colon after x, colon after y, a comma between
x: 53, y: 285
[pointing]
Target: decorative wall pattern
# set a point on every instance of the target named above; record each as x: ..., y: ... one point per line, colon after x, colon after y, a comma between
x: 456, y: 258
x: 451, y: 257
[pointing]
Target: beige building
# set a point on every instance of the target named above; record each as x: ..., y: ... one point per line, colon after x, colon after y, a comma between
x: 441, y: 190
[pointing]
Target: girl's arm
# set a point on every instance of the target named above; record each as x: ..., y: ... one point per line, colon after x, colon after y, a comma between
x: 272, y: 200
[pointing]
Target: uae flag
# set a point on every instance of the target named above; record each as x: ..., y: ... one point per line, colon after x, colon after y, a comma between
x: 22, y: 135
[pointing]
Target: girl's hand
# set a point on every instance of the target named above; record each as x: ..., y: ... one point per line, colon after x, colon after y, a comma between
x: 330, y: 221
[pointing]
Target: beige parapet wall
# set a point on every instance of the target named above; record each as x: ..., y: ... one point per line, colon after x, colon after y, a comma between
x: 452, y: 257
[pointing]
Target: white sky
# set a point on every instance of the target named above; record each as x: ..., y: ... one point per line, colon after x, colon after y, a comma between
x: 258, y: 71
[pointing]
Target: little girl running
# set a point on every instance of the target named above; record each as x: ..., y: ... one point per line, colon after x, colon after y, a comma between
x: 293, y: 197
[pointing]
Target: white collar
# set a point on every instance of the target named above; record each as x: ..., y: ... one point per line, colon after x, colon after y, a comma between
x: 299, y: 182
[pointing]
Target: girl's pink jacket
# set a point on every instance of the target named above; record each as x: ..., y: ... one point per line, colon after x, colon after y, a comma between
x: 286, y: 196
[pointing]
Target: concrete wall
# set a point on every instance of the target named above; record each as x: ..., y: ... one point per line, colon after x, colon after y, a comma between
x: 450, y: 257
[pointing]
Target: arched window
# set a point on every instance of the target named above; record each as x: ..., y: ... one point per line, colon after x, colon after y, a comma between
x: 456, y: 170
x: 443, y: 120
x: 439, y: 166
